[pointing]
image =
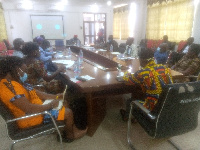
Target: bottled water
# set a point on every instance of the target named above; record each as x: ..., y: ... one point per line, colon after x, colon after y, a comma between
x: 81, y: 57
x: 69, y: 53
x: 77, y: 69
x: 111, y: 48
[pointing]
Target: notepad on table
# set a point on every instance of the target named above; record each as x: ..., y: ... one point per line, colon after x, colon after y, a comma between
x: 50, y: 100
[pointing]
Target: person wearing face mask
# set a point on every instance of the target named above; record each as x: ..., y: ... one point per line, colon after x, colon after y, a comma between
x: 113, y: 43
x: 18, y: 46
x: 22, y: 99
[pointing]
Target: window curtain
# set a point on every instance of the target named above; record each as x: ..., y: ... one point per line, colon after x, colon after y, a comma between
x: 3, y: 33
x: 174, y: 18
x: 121, y: 27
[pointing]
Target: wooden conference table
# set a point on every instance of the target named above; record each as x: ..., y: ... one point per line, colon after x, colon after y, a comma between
x: 104, y: 70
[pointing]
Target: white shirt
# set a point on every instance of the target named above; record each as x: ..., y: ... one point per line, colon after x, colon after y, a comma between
x: 186, y: 49
x: 18, y: 54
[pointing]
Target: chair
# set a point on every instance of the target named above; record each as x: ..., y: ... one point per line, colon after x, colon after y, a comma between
x: 59, y: 44
x: 175, y: 113
x: 17, y: 135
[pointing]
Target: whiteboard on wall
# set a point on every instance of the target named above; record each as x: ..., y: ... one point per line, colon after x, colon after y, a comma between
x: 49, y: 26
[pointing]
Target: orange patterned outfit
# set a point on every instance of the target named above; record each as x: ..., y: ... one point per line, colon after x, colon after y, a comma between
x: 151, y: 78
x: 12, y: 90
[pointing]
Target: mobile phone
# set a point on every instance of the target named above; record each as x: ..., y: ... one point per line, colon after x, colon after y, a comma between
x: 81, y: 79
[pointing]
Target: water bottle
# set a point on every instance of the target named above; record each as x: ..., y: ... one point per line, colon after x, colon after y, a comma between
x: 69, y: 53
x: 111, y: 48
x: 81, y: 57
x: 77, y: 69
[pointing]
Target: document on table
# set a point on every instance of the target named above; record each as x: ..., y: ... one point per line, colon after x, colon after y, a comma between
x: 68, y: 63
x: 115, y: 53
x: 86, y: 77
x: 59, y: 105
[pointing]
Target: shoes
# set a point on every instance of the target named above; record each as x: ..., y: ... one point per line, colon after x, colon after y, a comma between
x: 125, y: 116
x: 64, y: 139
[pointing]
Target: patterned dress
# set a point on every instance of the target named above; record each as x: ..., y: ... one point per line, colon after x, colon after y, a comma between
x: 185, y: 63
x: 36, y: 72
x: 151, y: 78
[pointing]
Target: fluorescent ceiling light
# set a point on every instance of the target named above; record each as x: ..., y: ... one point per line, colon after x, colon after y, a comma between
x: 109, y: 3
x: 120, y: 5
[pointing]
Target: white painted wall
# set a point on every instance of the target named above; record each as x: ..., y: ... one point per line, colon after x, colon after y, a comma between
x: 18, y: 22
x: 139, y: 30
x: 196, y: 27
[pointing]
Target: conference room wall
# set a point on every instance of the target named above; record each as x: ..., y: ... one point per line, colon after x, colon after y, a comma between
x: 196, y: 27
x: 18, y: 22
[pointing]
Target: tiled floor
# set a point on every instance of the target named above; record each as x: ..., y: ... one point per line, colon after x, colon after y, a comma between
x: 111, y: 135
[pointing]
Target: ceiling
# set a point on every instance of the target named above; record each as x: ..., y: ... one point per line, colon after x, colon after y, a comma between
x: 71, y: 2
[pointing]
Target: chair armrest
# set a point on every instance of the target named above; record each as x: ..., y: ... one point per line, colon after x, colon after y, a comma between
x: 28, y: 116
x: 144, y: 110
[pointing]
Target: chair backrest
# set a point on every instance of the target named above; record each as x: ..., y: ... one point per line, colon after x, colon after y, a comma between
x: 177, y: 109
x: 59, y: 43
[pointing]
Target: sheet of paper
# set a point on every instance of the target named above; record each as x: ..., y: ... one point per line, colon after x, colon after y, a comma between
x: 102, y: 50
x: 59, y: 105
x: 68, y: 63
x: 115, y: 53
x: 87, y: 77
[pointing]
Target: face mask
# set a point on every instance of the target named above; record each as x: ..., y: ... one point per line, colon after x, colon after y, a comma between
x: 24, y: 78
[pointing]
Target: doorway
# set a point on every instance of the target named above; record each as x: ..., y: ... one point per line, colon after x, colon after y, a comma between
x: 94, y: 28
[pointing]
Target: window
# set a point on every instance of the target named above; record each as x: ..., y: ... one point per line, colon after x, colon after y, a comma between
x: 124, y: 21
x: 3, y: 33
x: 174, y: 19
x: 94, y: 26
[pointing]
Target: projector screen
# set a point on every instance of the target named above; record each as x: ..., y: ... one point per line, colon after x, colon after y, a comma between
x: 49, y: 26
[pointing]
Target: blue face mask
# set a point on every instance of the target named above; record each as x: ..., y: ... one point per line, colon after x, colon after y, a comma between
x: 24, y: 78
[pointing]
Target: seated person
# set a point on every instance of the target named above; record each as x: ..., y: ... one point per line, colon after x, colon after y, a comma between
x: 150, y: 78
x: 165, y: 40
x: 189, y: 63
x: 37, y: 75
x: 185, y: 49
x: 18, y: 45
x: 113, y: 43
x: 75, y: 41
x: 131, y: 49
x: 143, y: 44
x: 174, y: 57
x: 99, y: 43
x: 162, y: 54
x: 22, y: 99
x: 45, y: 57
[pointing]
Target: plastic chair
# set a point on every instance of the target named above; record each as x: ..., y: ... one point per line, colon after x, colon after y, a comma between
x: 17, y: 135
x: 175, y: 113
